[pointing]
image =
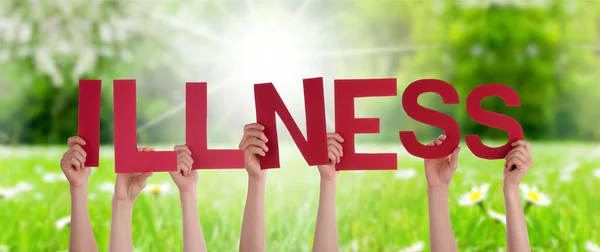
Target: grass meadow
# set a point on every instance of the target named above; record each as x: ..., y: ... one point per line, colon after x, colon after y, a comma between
x: 376, y: 210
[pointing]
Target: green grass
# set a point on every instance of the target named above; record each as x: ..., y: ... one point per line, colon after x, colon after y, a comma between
x: 376, y: 211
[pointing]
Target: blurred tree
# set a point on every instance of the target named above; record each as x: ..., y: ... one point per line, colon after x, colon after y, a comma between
x: 542, y: 49
x: 524, y: 45
x: 47, y: 46
x: 512, y: 44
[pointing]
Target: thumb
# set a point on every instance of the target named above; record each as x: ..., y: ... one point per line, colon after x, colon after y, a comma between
x: 454, y: 157
x: 146, y: 175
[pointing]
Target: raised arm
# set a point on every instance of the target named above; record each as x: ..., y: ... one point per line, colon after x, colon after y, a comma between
x: 326, y: 233
x: 72, y: 164
x: 186, y: 179
x: 518, y: 162
x: 253, y: 225
x: 439, y: 173
x: 127, y: 187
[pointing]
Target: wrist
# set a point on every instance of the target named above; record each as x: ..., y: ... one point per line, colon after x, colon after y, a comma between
x: 256, y: 178
x: 510, y: 188
x: 79, y: 186
x: 327, y: 185
x: 439, y: 187
x: 121, y: 197
x: 122, y: 203
x: 187, y: 189
x: 187, y: 196
x: 328, y: 179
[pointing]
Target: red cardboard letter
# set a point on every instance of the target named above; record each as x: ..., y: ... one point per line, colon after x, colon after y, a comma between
x: 268, y: 102
x: 127, y: 158
x: 347, y: 125
x: 430, y: 117
x: 492, y: 119
x: 196, y: 133
x: 88, y: 119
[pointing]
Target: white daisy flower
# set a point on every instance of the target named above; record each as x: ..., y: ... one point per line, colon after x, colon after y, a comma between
x: 53, y: 177
x: 566, y: 177
x: 405, y: 173
x: 106, y: 186
x: 354, y: 245
x: 572, y: 166
x: 23, y: 186
x: 158, y: 189
x: 63, y: 222
x: 417, y: 247
x: 8, y: 193
x: 597, y: 173
x: 533, y: 195
x: 497, y: 216
x: 592, y: 247
x: 476, y: 195
x: 566, y: 173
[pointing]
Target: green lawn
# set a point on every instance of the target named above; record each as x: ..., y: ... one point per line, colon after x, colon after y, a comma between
x: 377, y: 210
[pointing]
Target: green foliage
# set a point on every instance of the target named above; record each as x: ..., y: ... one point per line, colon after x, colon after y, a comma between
x: 529, y: 48
x: 46, y: 48
x: 547, y: 52
x: 540, y: 50
x: 512, y: 45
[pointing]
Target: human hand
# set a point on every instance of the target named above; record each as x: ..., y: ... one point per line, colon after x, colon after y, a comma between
x: 254, y: 143
x: 185, y: 178
x: 439, y: 171
x: 518, y: 162
x: 72, y: 163
x: 328, y: 171
x: 129, y: 185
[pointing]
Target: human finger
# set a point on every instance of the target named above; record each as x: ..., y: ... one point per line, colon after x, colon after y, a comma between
x: 75, y: 140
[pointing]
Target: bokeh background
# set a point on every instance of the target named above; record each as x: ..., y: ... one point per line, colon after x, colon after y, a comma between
x: 548, y: 51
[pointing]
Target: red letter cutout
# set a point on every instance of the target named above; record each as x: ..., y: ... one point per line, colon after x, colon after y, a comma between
x: 492, y: 119
x: 430, y: 117
x: 127, y: 158
x: 196, y: 132
x: 314, y: 147
x: 88, y: 119
x: 347, y: 125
